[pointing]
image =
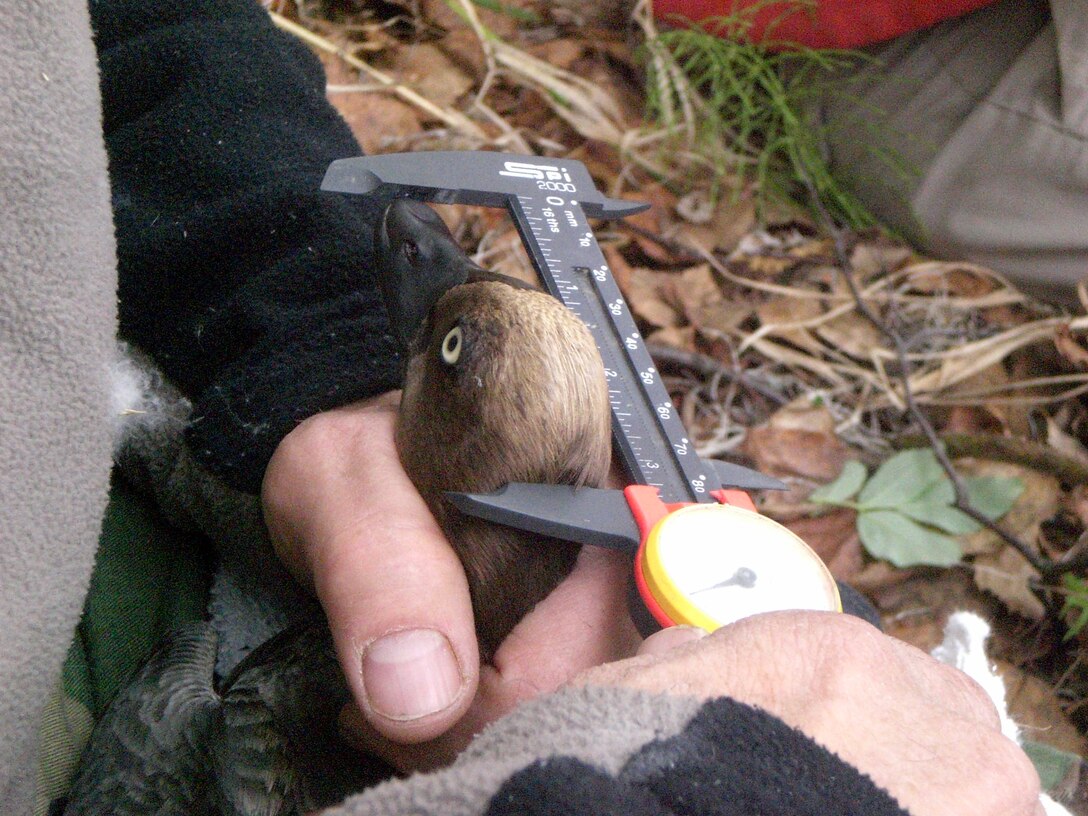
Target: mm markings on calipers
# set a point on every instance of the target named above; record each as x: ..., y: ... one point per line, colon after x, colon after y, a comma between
x: 549, y: 201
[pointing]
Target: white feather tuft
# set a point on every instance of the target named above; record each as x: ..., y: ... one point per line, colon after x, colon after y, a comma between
x: 140, y: 396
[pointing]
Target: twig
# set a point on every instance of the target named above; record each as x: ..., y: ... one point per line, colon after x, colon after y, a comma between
x: 681, y: 252
x: 1043, y: 566
x: 708, y: 366
x: 1006, y: 449
x: 452, y: 118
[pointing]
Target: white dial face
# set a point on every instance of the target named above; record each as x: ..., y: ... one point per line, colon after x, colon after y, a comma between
x: 729, y: 563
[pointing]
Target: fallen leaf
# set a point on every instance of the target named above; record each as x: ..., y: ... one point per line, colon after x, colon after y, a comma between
x: 681, y: 337
x: 1006, y: 574
x: 654, y: 221
x: 619, y: 267
x: 375, y: 117
x: 1071, y: 348
x: 697, y: 207
x: 1065, y: 443
x: 1076, y: 500
x: 852, y: 334
x: 441, y: 14
x: 798, y: 440
x: 1038, y: 502
x: 723, y: 317
x: 431, y: 73
x: 1037, y: 708
x: 871, y: 259
x: 730, y: 221
x: 973, y: 419
x: 1007, y: 417
x: 779, y: 314
x: 916, y: 607
x: 954, y: 278
x: 879, y: 575
x: 646, y: 295
x: 834, y: 537
x: 693, y: 290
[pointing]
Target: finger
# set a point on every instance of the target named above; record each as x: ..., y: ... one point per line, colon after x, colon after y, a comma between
x: 392, y: 588
x: 582, y: 623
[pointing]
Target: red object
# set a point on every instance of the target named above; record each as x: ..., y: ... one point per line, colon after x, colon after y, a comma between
x: 831, y: 23
x: 648, y: 509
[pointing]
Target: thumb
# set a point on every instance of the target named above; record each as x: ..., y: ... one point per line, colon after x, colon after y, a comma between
x: 346, y: 519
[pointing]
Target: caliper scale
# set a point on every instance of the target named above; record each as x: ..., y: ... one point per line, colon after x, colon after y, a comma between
x: 550, y: 202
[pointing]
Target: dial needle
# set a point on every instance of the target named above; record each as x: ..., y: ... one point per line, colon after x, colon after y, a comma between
x: 743, y: 577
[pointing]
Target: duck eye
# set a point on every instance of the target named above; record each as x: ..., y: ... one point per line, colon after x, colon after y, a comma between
x: 410, y: 250
x: 451, y: 346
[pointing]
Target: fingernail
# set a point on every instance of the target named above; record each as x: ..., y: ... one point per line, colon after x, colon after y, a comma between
x: 410, y: 674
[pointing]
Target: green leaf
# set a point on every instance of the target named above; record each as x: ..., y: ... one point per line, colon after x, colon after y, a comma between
x: 849, y: 482
x: 941, y: 515
x: 890, y: 535
x: 903, y: 478
x: 1076, y: 599
x: 993, y: 496
x: 1052, y: 764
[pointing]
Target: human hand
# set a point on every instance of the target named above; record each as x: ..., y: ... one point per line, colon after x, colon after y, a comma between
x: 923, y: 731
x: 346, y: 520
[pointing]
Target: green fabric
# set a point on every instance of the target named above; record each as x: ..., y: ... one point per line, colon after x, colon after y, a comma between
x: 148, y: 578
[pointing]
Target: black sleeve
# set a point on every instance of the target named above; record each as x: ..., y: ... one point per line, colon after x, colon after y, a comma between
x: 731, y: 760
x: 250, y: 288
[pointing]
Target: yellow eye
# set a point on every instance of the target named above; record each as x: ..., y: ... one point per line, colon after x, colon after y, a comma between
x: 451, y: 346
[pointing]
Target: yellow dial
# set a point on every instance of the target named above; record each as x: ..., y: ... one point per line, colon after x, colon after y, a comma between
x: 708, y: 565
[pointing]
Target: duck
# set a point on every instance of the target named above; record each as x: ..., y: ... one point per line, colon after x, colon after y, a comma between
x: 502, y: 383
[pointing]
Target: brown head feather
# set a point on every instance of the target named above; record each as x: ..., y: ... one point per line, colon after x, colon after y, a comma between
x: 504, y: 385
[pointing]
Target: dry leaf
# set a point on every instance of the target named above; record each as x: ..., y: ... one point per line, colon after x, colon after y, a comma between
x: 655, y: 221
x: 696, y: 207
x: 681, y: 337
x: 779, y: 313
x: 440, y: 14
x: 916, y: 608
x: 988, y: 416
x: 1036, y: 504
x: 433, y: 74
x: 1006, y: 574
x: 645, y: 294
x: 879, y: 575
x: 973, y: 419
x: 729, y: 222
x: 722, y: 318
x: 375, y: 117
x: 1076, y: 501
x: 695, y: 289
x: 1064, y: 443
x: 617, y: 264
x: 834, y: 537
x: 1037, y: 708
x: 1071, y: 348
x: 852, y: 334
x: 798, y: 440
x: 560, y: 53
x: 954, y: 278
x: 871, y: 259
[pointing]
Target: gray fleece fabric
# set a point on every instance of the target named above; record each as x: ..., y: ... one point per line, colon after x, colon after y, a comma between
x: 602, y: 726
x: 57, y: 323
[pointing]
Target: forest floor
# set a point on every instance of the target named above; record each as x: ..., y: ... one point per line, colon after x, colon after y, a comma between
x: 788, y: 344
